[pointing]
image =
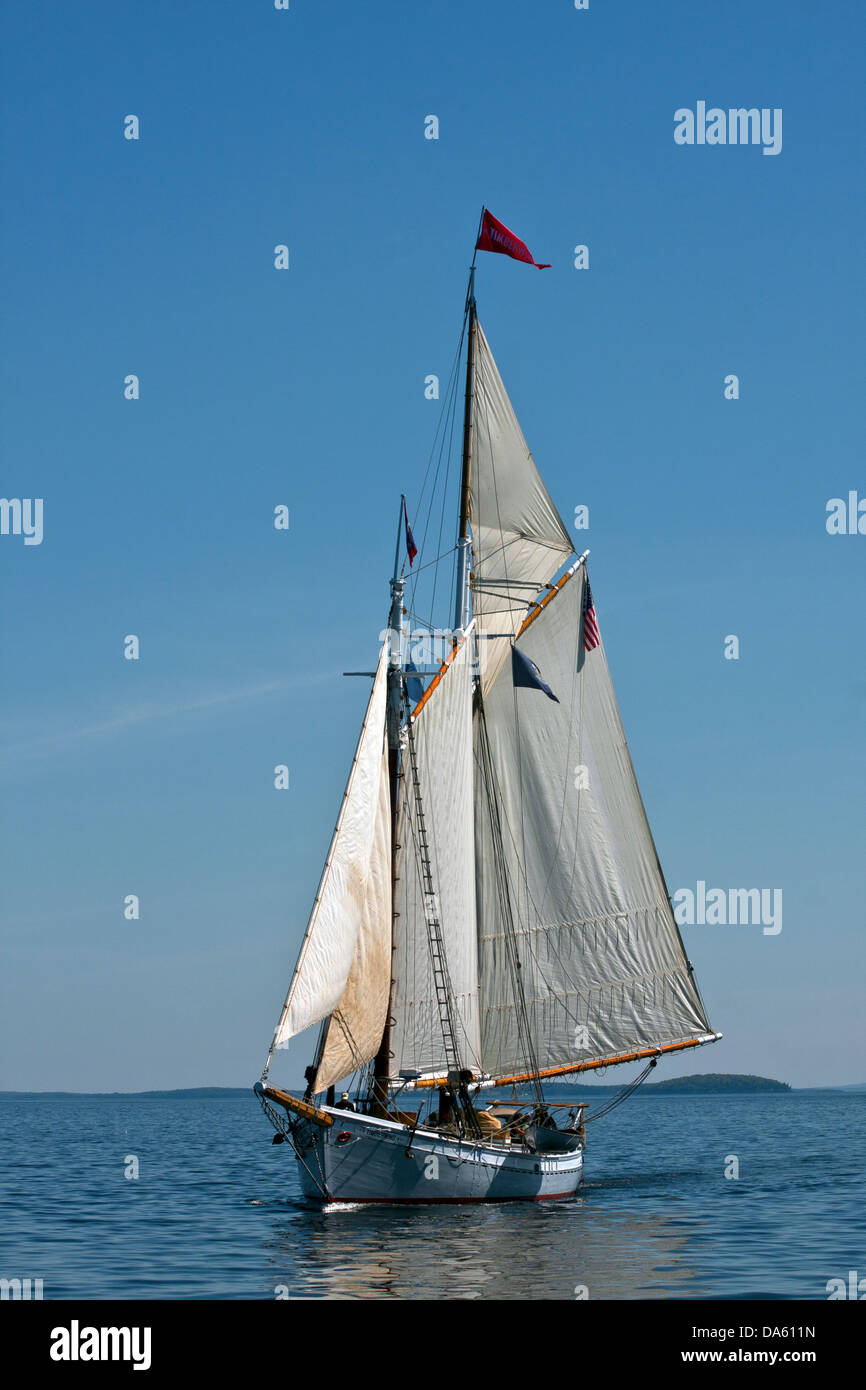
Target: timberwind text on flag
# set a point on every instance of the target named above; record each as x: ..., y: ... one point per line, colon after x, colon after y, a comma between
x: 495, y: 236
x: 411, y: 547
x: 591, y: 636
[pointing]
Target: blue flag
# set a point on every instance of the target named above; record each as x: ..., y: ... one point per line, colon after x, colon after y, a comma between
x: 414, y: 685
x: 525, y: 672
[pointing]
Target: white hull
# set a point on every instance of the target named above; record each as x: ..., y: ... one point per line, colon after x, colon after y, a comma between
x: 361, y: 1159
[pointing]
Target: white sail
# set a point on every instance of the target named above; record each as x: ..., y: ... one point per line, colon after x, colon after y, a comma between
x: 344, y: 963
x: 354, y: 1030
x: 603, y: 968
x: 442, y: 735
x: 519, y: 540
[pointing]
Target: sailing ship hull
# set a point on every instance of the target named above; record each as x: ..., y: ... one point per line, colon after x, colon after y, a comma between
x: 361, y: 1159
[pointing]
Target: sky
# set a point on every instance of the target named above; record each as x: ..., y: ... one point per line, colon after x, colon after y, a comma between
x: 304, y: 387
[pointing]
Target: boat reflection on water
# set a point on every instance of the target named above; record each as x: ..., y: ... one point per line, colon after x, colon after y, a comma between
x: 558, y: 1251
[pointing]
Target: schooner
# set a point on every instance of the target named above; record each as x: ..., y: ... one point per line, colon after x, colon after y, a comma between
x: 492, y: 911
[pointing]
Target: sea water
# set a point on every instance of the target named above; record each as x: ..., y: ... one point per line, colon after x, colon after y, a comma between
x: 686, y: 1197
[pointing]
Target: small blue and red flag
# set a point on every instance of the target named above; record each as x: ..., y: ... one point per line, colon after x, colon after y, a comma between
x: 411, y: 547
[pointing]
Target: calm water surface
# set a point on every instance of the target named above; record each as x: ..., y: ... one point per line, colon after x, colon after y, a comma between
x: 216, y: 1211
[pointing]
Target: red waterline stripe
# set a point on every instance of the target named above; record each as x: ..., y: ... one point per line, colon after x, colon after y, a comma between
x: 442, y: 1201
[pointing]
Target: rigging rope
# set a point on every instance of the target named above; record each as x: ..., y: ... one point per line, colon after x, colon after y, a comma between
x: 286, y: 1129
x: 444, y: 436
x: 623, y: 1094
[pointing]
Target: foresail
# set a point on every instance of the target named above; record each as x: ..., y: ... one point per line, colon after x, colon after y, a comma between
x: 519, y: 540
x: 344, y: 963
x: 603, y: 969
x: 442, y: 734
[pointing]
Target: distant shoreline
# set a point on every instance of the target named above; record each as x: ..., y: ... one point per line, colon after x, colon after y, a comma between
x: 717, y: 1084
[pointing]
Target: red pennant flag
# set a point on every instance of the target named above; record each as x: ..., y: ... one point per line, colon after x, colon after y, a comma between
x: 495, y: 236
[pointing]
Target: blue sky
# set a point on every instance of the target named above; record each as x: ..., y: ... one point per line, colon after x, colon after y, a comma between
x: 306, y: 387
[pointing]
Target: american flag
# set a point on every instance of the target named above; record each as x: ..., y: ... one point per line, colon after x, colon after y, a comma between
x: 591, y: 637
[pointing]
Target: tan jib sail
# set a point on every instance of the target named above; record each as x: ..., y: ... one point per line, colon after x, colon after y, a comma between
x: 519, y: 540
x: 602, y: 966
x: 343, y: 970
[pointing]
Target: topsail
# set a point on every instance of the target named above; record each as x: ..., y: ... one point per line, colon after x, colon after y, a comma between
x: 519, y: 540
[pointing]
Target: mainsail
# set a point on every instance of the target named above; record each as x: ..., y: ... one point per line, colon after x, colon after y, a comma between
x: 343, y: 970
x: 603, y: 970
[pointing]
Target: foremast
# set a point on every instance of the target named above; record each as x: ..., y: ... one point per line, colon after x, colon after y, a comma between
x: 402, y: 764
x: 393, y: 733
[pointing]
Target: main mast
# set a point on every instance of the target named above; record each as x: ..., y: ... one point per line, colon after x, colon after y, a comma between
x: 461, y: 597
x: 461, y: 621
